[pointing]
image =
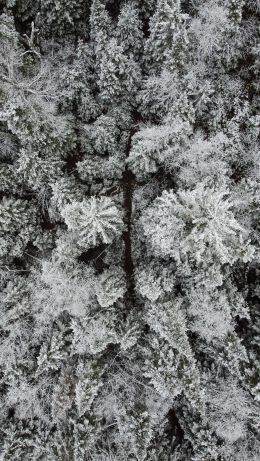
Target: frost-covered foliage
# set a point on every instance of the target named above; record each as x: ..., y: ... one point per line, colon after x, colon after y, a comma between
x: 197, y: 224
x: 129, y: 230
x: 93, y: 220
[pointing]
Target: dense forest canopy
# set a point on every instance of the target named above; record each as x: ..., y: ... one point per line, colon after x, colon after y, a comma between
x: 129, y: 230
